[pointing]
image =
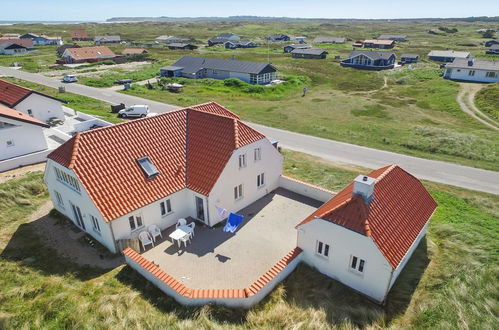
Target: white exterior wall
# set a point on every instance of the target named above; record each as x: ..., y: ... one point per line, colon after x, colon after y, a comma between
x: 82, y: 200
x: 29, y: 159
x: 305, y: 189
x: 27, y: 138
x: 344, y: 243
x: 242, y: 76
x: 217, y: 74
x: 463, y: 74
x: 4, y: 51
x: 151, y: 215
x: 222, y: 194
x: 43, y: 108
x: 408, y: 255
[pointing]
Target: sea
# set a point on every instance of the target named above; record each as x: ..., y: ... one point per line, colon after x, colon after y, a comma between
x: 47, y: 22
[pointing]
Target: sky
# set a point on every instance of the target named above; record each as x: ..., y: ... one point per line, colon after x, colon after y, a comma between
x: 99, y: 10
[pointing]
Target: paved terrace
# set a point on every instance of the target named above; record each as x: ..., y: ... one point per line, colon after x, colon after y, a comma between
x: 218, y: 260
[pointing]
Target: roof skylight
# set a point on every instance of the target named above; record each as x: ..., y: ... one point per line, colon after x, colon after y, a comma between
x: 148, y: 167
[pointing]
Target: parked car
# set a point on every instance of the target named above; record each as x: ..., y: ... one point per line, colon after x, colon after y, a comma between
x: 134, y: 111
x: 69, y: 78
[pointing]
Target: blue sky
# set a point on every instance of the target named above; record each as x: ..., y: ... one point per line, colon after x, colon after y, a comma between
x: 102, y: 9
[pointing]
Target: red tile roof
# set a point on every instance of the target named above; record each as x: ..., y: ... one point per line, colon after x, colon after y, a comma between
x: 17, y: 115
x: 128, y: 51
x: 79, y: 34
x: 182, y: 290
x: 400, y: 209
x: 90, y: 53
x: 28, y: 43
x: 12, y: 94
x: 189, y: 147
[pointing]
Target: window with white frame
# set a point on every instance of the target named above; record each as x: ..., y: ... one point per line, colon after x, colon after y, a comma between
x: 357, y: 264
x: 58, y: 196
x: 166, y: 207
x: 242, y: 160
x: 260, y: 180
x: 135, y: 222
x: 257, y: 153
x: 238, y: 192
x: 67, y: 179
x: 95, y: 224
x: 322, y: 249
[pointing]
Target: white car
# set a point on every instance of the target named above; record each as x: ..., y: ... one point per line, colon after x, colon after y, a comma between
x: 69, y: 78
x: 134, y: 111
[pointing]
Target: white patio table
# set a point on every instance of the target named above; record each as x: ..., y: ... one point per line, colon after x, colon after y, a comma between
x: 179, y: 233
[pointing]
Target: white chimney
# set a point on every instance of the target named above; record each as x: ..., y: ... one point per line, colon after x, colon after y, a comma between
x: 364, y: 186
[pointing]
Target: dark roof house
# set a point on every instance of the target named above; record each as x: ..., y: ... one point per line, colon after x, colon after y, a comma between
x: 278, y: 37
x: 310, y: 53
x: 370, y: 60
x: 240, y: 44
x: 409, y: 58
x: 446, y: 55
x: 329, y: 40
x: 107, y: 39
x: 290, y: 48
x: 176, y: 45
x: 493, y: 50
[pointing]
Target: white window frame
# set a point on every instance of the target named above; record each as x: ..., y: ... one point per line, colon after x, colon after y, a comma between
x: 165, y: 205
x: 95, y: 224
x: 242, y: 161
x: 322, y: 249
x: 357, y: 265
x: 59, y: 199
x: 257, y: 154
x: 135, y: 222
x: 238, y: 192
x: 260, y: 180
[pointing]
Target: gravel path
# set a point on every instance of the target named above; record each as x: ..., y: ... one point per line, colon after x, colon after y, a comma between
x: 466, y: 97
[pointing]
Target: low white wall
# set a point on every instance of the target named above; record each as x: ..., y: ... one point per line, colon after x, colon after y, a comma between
x: 230, y: 302
x: 305, y: 189
x: 30, y: 159
x: 86, y: 125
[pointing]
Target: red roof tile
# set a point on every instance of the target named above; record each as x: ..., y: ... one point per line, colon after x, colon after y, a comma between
x: 400, y: 209
x: 12, y: 94
x: 90, y: 53
x: 28, y: 43
x: 79, y: 34
x: 129, y: 51
x: 17, y: 115
x: 189, y: 147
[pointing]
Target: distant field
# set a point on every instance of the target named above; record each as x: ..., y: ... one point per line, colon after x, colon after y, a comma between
x: 449, y: 283
x: 415, y: 113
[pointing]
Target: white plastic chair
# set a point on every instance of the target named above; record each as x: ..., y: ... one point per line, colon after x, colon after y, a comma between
x: 146, y: 239
x: 185, y: 239
x: 154, y: 231
x: 181, y: 222
x: 192, y: 225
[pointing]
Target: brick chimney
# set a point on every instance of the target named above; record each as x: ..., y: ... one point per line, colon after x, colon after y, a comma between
x: 364, y: 186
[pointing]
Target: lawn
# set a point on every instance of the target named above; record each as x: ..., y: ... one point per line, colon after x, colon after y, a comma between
x: 451, y: 281
x: 487, y: 100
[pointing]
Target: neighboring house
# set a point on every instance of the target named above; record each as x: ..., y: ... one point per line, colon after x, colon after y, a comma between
x: 409, y: 58
x: 329, y: 40
x: 29, y: 36
x: 364, y: 236
x: 378, y: 43
x: 290, y: 48
x: 115, y: 181
x: 205, y: 67
x: 11, y: 35
x: 20, y: 134
x: 240, y: 44
x: 446, y: 55
x: 80, y: 35
x: 176, y: 45
x: 62, y: 49
x: 30, y: 102
x: 87, y: 54
x: 134, y: 51
x: 492, y: 42
x: 301, y: 39
x: 278, y: 37
x: 46, y: 40
x: 171, y: 39
x: 394, y: 37
x: 228, y: 36
x: 370, y: 60
x: 472, y: 69
x: 27, y: 43
x: 11, y: 48
x: 493, y: 50
x: 107, y: 39
x: 216, y: 41
x: 310, y: 53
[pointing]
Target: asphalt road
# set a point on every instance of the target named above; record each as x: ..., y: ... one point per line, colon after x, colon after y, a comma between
x: 437, y: 171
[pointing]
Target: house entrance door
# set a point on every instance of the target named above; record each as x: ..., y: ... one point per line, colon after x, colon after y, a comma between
x: 77, y: 216
x: 199, y: 208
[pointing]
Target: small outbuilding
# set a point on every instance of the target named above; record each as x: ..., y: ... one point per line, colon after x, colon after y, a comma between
x: 409, y: 58
x: 290, y: 48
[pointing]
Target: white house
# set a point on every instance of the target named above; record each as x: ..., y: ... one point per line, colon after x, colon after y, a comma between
x: 46, y: 40
x: 115, y: 181
x: 20, y: 134
x: 472, y: 69
x: 35, y: 104
x: 364, y: 236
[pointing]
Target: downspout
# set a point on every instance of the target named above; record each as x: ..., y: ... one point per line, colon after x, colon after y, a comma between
x: 112, y: 236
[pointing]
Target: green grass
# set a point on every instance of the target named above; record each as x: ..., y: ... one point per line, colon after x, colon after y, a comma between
x: 487, y: 100
x: 84, y: 104
x: 450, y: 282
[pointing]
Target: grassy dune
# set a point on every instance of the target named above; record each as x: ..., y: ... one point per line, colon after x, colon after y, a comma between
x: 450, y: 282
x: 487, y: 100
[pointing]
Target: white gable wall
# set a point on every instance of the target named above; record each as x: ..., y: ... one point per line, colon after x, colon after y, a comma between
x: 343, y: 244
x: 464, y: 74
x: 43, y: 108
x: 26, y: 138
x: 222, y: 194
x: 80, y: 199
